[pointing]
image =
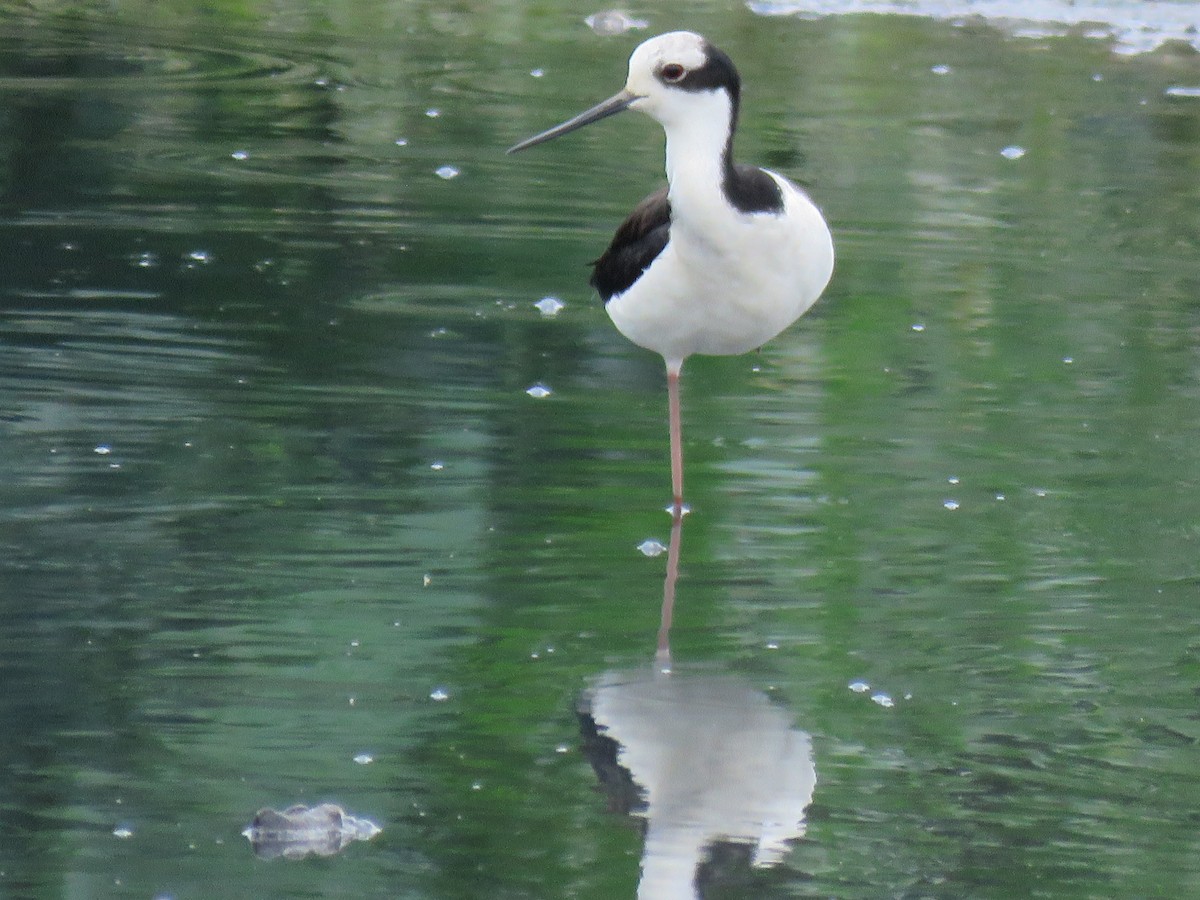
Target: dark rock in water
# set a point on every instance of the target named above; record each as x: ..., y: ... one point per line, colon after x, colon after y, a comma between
x: 300, y: 831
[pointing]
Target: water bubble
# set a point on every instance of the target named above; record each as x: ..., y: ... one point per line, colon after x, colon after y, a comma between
x: 144, y: 260
x: 198, y: 258
x: 859, y: 687
x: 918, y: 326
x: 446, y: 172
x: 1068, y: 360
x: 437, y: 465
x: 562, y: 748
x: 1179, y: 90
x: 122, y: 832
x: 537, y: 73
x: 771, y: 645
x: 240, y: 154
x: 613, y: 21
x: 401, y: 142
x: 883, y: 700
x: 651, y: 547
x: 549, y: 306
x: 538, y: 391
x: 433, y: 112
x: 364, y: 759
x: 953, y: 479
x: 941, y: 69
x: 1012, y: 152
x: 950, y: 504
x: 102, y: 449
x: 439, y: 695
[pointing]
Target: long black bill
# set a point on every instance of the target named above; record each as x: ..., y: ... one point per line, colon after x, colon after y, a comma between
x: 611, y: 106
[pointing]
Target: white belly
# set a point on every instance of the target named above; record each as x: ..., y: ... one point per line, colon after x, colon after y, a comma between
x: 731, y: 295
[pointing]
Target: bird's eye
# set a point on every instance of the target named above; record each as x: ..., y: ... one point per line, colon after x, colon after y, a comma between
x: 672, y: 72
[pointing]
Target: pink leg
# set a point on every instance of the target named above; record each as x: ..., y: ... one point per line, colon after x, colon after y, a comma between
x: 676, y: 427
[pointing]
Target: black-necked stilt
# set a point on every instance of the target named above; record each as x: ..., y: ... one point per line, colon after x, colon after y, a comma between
x: 724, y: 257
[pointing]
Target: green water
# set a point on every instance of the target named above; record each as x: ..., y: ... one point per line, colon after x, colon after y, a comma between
x: 274, y: 495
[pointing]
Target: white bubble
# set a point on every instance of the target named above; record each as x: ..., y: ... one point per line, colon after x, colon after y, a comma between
x: 439, y: 694
x: 651, y: 547
x: 446, y: 172
x: 549, y: 306
x: 1012, y: 152
x: 538, y: 391
x: 613, y: 22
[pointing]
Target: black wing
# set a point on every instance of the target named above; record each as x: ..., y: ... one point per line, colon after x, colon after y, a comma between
x: 636, y: 244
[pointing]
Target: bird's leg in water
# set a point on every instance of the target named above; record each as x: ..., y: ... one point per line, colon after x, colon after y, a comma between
x: 663, y: 656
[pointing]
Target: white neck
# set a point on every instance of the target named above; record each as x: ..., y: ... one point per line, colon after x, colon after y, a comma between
x: 696, y: 140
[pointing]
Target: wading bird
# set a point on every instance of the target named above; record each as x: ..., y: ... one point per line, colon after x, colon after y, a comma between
x: 723, y: 258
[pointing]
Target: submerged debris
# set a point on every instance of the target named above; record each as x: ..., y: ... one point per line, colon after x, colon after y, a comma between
x: 299, y: 831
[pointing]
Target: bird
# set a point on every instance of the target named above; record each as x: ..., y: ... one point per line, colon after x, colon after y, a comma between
x: 726, y: 255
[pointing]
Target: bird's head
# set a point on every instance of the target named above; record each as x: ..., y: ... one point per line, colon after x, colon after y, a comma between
x: 672, y: 78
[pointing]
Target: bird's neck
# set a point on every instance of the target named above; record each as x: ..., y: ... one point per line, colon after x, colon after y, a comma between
x: 699, y: 146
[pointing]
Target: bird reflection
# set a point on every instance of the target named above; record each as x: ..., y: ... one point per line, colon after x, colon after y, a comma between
x: 704, y: 760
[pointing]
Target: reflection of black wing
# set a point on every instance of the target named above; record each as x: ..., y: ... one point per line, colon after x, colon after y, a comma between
x: 636, y: 244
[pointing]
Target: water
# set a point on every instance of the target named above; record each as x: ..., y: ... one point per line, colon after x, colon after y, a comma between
x: 277, y: 497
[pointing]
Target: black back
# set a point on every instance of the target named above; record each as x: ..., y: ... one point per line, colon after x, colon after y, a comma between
x: 636, y: 244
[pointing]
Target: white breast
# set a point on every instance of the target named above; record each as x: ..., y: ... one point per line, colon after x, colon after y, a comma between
x: 727, y: 282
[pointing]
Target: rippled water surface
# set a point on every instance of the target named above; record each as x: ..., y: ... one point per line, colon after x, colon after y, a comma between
x: 304, y: 501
